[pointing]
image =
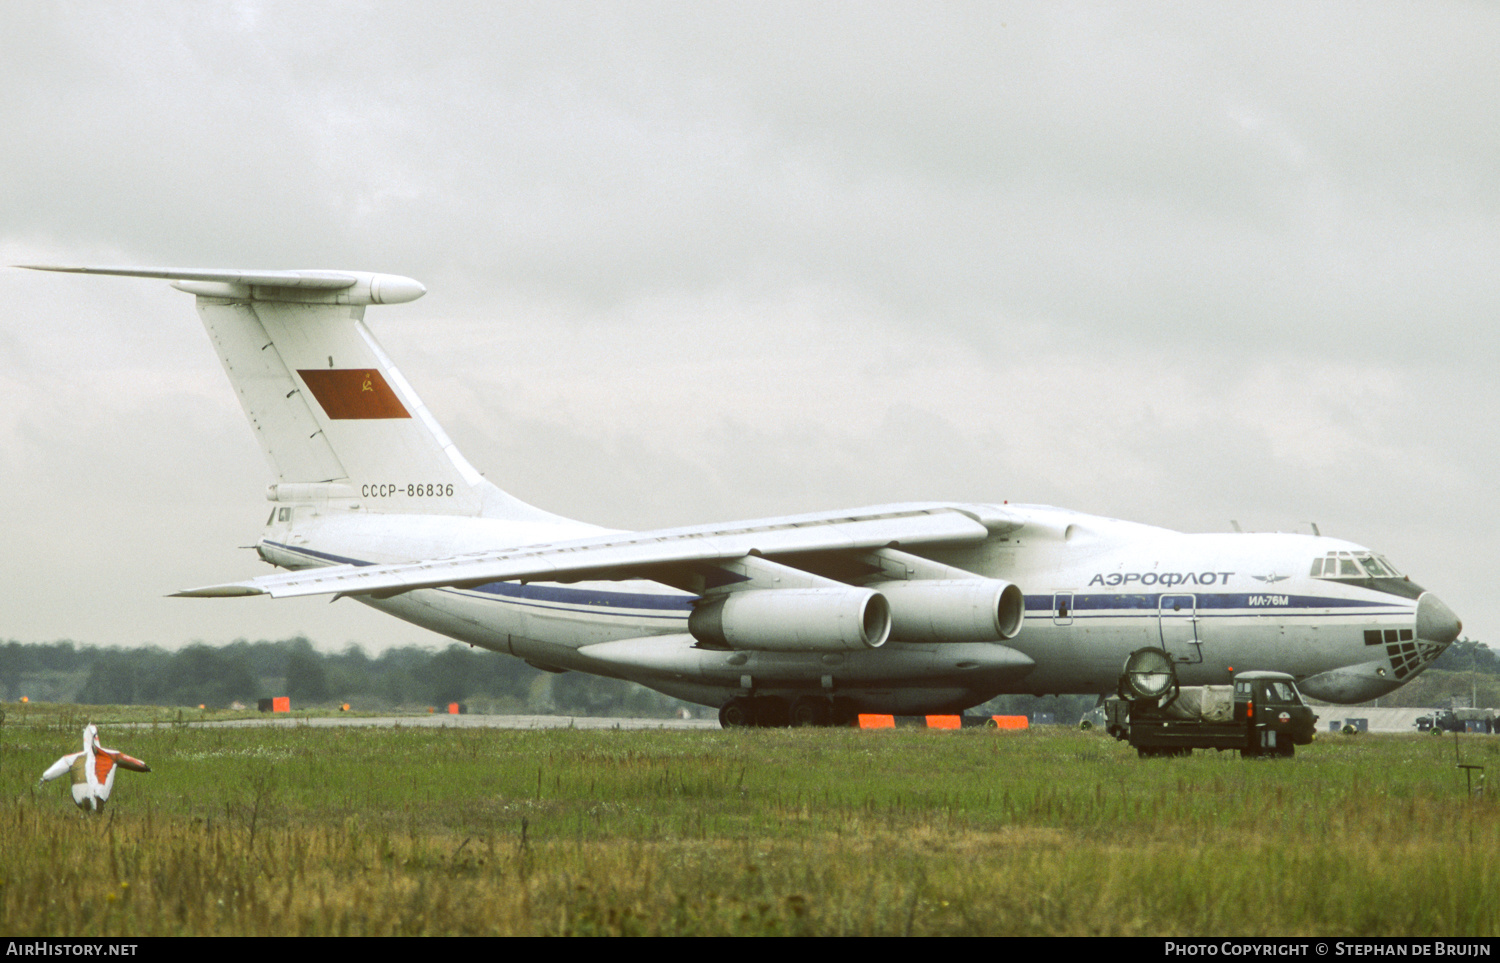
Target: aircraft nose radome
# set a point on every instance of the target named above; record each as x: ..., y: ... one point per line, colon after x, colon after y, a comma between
x: 1435, y: 621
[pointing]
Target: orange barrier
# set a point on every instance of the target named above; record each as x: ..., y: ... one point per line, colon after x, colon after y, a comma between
x: 872, y: 721
x: 453, y: 708
x: 869, y: 721
x: 281, y: 704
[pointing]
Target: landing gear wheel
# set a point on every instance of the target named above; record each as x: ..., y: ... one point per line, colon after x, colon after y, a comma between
x: 770, y: 712
x: 844, y: 713
x: 810, y: 711
x: 737, y: 714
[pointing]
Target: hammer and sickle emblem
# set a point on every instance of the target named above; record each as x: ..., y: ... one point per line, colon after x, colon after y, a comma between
x: 367, y: 386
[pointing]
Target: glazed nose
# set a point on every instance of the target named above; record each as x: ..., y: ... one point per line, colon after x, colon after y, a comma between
x: 1435, y: 621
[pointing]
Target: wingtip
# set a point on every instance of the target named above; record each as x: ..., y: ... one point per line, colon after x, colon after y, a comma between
x: 218, y: 592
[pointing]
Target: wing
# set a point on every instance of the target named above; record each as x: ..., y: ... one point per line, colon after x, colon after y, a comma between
x: 664, y: 555
x: 126, y: 762
x: 60, y: 767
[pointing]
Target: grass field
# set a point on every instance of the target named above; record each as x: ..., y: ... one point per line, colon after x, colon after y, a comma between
x: 467, y: 831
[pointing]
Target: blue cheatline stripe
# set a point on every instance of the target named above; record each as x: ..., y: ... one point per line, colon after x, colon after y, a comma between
x: 554, y: 593
x: 1217, y: 603
x: 533, y: 594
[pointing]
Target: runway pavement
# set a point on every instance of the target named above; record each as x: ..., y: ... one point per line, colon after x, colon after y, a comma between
x: 446, y: 721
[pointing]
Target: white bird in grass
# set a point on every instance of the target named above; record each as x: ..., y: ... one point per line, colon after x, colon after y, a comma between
x: 93, y: 770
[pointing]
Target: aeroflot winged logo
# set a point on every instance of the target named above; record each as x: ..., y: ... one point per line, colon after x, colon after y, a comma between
x: 348, y: 393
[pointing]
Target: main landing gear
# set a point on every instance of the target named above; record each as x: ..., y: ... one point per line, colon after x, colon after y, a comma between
x: 774, y: 712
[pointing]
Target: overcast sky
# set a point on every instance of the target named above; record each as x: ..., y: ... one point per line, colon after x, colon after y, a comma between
x: 693, y: 262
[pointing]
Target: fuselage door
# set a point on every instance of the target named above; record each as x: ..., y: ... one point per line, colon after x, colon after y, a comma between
x: 1062, y: 608
x: 1179, y: 628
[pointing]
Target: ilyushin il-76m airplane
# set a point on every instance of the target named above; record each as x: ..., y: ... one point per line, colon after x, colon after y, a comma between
x: 911, y: 608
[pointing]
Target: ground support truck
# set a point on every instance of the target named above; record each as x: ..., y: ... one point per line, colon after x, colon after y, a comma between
x: 1262, y: 714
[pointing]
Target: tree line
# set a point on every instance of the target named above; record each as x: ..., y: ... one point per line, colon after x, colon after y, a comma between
x: 243, y: 672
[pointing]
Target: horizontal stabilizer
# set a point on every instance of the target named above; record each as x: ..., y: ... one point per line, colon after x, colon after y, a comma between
x: 343, y: 287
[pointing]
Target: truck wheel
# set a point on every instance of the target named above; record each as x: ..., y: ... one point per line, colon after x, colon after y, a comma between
x: 1286, y: 750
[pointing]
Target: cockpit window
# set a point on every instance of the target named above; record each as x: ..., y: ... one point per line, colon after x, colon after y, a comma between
x: 1353, y: 565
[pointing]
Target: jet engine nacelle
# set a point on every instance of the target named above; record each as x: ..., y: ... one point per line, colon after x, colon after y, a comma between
x: 794, y: 620
x: 953, y: 610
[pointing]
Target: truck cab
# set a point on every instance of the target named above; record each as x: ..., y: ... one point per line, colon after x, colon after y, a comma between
x: 1273, y: 713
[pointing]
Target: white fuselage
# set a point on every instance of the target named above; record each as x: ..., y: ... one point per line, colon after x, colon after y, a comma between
x: 1096, y: 590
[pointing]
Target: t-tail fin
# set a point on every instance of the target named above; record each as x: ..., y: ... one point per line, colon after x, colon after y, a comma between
x: 335, y: 418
